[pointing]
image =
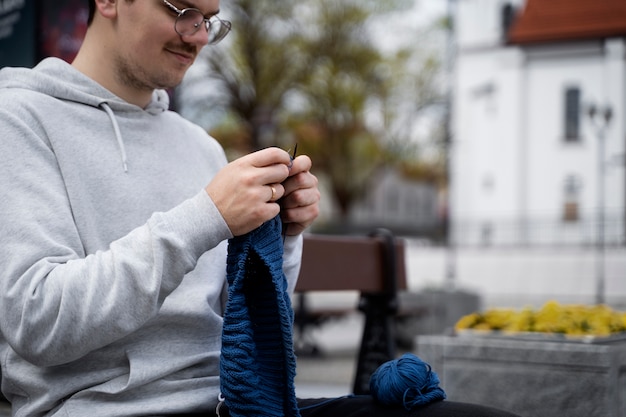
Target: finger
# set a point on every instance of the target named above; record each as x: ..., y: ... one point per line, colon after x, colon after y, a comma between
x: 273, y: 174
x: 302, y: 181
x: 300, y: 164
x: 298, y: 219
x: 277, y: 191
x: 301, y: 198
x: 269, y: 156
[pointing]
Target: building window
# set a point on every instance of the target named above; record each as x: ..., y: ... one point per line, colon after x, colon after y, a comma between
x: 571, y: 194
x: 507, y: 18
x: 572, y: 114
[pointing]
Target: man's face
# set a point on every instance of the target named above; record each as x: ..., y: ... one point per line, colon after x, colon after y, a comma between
x: 150, y: 54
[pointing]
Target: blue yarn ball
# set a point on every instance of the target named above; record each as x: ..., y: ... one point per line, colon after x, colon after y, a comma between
x: 407, y: 381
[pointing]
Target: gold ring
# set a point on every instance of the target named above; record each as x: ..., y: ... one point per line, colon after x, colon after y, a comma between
x: 273, y: 193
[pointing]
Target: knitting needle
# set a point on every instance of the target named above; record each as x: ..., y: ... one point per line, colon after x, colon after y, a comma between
x: 292, y: 156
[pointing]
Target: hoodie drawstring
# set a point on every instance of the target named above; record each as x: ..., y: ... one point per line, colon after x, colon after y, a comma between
x: 118, y: 134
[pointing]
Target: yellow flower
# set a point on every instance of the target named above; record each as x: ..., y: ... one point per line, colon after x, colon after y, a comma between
x: 499, y: 319
x: 524, y: 321
x: 468, y: 322
x: 552, y: 317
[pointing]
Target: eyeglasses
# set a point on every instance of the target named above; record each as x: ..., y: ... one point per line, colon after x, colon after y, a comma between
x: 190, y: 20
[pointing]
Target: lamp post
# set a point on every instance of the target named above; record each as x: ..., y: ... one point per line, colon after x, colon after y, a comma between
x: 451, y: 255
x: 600, y: 117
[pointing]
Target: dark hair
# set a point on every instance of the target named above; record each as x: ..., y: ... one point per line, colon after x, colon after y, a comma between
x: 92, y: 11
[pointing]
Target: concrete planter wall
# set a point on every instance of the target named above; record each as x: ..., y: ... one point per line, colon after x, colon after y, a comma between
x: 532, y: 378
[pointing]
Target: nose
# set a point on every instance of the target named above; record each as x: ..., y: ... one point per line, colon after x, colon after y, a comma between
x: 200, y: 38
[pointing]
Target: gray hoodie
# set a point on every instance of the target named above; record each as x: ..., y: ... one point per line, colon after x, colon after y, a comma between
x: 112, y: 255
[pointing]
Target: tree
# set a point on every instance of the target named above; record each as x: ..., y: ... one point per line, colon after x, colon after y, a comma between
x: 350, y: 79
x: 342, y: 76
x: 309, y: 72
x: 254, y: 68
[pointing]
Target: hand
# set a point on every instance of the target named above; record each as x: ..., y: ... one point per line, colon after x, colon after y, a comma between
x: 300, y: 203
x: 246, y: 190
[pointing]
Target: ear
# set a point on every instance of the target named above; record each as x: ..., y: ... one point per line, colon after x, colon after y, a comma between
x: 106, y: 8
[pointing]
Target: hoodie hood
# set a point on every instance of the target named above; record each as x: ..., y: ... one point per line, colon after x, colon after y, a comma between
x: 57, y: 78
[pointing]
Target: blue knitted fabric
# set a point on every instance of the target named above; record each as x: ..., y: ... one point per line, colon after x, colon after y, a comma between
x: 258, y: 364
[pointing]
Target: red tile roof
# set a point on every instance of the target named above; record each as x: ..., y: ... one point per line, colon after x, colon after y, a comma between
x: 564, y: 20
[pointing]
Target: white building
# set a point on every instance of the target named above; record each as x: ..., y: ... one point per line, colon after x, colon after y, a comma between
x: 525, y: 154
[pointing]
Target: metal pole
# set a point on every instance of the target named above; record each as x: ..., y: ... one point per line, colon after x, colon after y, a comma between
x: 601, y: 119
x: 600, y: 278
x: 450, y: 267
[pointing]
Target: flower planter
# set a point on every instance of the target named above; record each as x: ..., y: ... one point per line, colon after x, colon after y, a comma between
x: 532, y: 375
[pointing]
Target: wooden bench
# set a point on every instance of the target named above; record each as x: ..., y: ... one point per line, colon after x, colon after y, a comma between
x: 374, y: 265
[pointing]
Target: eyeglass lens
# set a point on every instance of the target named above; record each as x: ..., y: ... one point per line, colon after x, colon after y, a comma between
x: 190, y: 21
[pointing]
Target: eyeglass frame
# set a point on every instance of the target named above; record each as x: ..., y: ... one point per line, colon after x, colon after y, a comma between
x: 207, y: 21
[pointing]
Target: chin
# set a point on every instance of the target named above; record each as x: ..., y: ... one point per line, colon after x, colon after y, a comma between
x: 167, y: 83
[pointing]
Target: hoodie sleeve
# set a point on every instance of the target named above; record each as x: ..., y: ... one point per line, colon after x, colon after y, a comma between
x: 291, y: 260
x: 58, y: 303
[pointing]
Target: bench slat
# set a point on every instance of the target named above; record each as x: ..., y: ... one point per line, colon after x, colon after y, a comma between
x: 341, y: 263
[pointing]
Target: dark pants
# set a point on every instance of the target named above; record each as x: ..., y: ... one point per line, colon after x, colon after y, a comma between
x: 364, y: 406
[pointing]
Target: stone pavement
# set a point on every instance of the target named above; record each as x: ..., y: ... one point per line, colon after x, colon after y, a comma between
x: 331, y: 372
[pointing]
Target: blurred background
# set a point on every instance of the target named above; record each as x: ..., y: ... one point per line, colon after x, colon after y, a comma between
x: 489, y: 134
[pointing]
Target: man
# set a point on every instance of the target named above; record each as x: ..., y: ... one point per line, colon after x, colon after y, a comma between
x: 115, y: 216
